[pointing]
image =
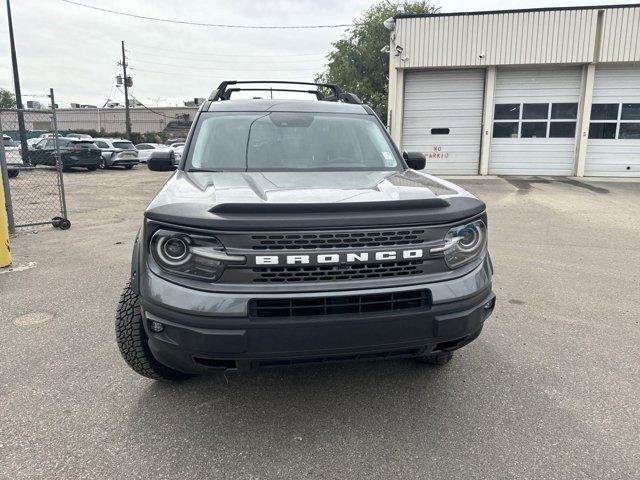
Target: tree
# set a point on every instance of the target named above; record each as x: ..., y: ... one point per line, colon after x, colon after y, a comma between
x: 357, y: 63
x: 7, y: 99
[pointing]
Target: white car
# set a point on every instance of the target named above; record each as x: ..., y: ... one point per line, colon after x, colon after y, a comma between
x: 146, y: 149
x: 13, y: 156
x: 79, y: 136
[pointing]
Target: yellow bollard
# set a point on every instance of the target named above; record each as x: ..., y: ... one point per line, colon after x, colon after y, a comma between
x: 5, y: 251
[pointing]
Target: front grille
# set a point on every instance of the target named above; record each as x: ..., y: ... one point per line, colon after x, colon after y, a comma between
x: 324, y: 273
x: 352, y: 304
x: 329, y: 240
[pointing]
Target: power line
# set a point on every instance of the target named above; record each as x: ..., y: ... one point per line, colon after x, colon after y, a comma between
x: 216, y: 25
x: 209, y: 54
x: 236, y: 58
x: 147, y: 108
x: 228, y: 71
x: 274, y: 67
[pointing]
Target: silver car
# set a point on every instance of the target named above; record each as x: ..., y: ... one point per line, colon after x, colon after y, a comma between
x: 117, y: 152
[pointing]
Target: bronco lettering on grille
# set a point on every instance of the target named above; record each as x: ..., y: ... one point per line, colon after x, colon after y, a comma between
x: 341, y: 258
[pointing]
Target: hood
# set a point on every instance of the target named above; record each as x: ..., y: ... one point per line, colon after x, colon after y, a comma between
x: 209, y: 198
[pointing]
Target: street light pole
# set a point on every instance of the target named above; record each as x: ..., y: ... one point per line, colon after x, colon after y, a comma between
x: 16, y: 83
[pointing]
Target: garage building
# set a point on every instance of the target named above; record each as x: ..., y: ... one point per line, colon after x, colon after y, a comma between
x: 521, y: 92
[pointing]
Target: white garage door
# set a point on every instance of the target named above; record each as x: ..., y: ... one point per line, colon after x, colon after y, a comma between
x: 534, y: 121
x: 613, y: 148
x: 443, y: 119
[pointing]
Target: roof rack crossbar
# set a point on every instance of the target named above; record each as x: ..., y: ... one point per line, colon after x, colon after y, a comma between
x: 224, y: 93
x: 317, y: 93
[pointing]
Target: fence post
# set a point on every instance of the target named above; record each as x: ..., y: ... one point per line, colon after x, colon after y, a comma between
x: 4, y: 182
x: 63, y: 201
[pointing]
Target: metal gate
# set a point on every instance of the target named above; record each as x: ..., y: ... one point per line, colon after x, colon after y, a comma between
x: 32, y: 169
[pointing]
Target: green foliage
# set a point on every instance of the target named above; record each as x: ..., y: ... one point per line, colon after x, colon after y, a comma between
x: 7, y: 99
x: 356, y: 62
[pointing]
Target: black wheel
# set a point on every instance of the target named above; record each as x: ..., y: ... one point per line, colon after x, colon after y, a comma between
x: 92, y: 168
x: 13, y: 173
x: 128, y: 167
x: 132, y: 341
x: 61, y: 223
x: 441, y: 358
x: 103, y: 164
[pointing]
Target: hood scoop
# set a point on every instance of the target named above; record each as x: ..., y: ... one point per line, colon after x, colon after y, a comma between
x: 255, y: 208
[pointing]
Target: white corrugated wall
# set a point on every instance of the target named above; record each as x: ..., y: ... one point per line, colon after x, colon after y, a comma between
x: 451, y: 101
x: 538, y: 156
x: 615, y: 157
x: 552, y: 36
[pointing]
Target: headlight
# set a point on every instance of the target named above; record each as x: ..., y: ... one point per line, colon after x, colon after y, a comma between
x: 464, y: 243
x: 189, y: 255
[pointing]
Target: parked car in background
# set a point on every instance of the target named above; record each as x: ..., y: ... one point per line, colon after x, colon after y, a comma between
x: 117, y: 152
x: 177, y: 150
x: 73, y: 153
x: 81, y: 136
x: 146, y: 149
x: 12, y: 154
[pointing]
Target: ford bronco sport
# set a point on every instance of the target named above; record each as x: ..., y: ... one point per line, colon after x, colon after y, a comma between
x: 295, y: 232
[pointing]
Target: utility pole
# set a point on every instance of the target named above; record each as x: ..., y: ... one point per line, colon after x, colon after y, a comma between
x: 126, y: 92
x: 16, y: 84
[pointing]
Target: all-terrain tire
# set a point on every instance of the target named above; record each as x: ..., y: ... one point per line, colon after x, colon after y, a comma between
x: 437, y: 359
x: 132, y: 340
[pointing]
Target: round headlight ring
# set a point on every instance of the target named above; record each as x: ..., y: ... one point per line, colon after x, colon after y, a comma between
x: 173, y: 251
x: 471, y: 238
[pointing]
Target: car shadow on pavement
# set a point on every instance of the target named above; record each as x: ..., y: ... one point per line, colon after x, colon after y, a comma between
x: 471, y: 408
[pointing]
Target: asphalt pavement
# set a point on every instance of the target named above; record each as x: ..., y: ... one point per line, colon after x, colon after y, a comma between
x: 550, y: 390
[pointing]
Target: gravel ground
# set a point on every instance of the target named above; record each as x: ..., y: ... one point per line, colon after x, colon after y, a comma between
x: 549, y: 390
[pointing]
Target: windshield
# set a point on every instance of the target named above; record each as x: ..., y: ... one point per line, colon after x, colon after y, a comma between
x: 283, y: 141
x: 8, y: 142
x: 123, y: 145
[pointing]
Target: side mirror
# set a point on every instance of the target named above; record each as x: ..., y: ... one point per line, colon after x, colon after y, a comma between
x: 162, y: 161
x: 415, y: 160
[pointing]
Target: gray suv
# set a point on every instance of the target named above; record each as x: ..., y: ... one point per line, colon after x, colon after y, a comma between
x: 117, y: 152
x: 295, y: 232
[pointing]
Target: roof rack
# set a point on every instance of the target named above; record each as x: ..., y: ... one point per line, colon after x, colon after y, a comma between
x: 317, y: 93
x: 224, y: 93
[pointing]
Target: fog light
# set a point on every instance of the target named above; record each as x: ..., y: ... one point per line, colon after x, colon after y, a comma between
x: 488, y: 305
x: 156, y: 327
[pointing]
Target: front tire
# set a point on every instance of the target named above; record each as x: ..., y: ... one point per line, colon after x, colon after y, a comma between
x: 13, y: 173
x: 132, y: 340
x: 436, y: 359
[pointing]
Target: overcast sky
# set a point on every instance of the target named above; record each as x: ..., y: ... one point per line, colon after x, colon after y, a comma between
x: 75, y: 50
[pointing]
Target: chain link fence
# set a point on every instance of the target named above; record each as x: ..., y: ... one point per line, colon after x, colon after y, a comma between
x: 31, y: 165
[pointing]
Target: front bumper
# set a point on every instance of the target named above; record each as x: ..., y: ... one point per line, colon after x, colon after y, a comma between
x: 205, y: 331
